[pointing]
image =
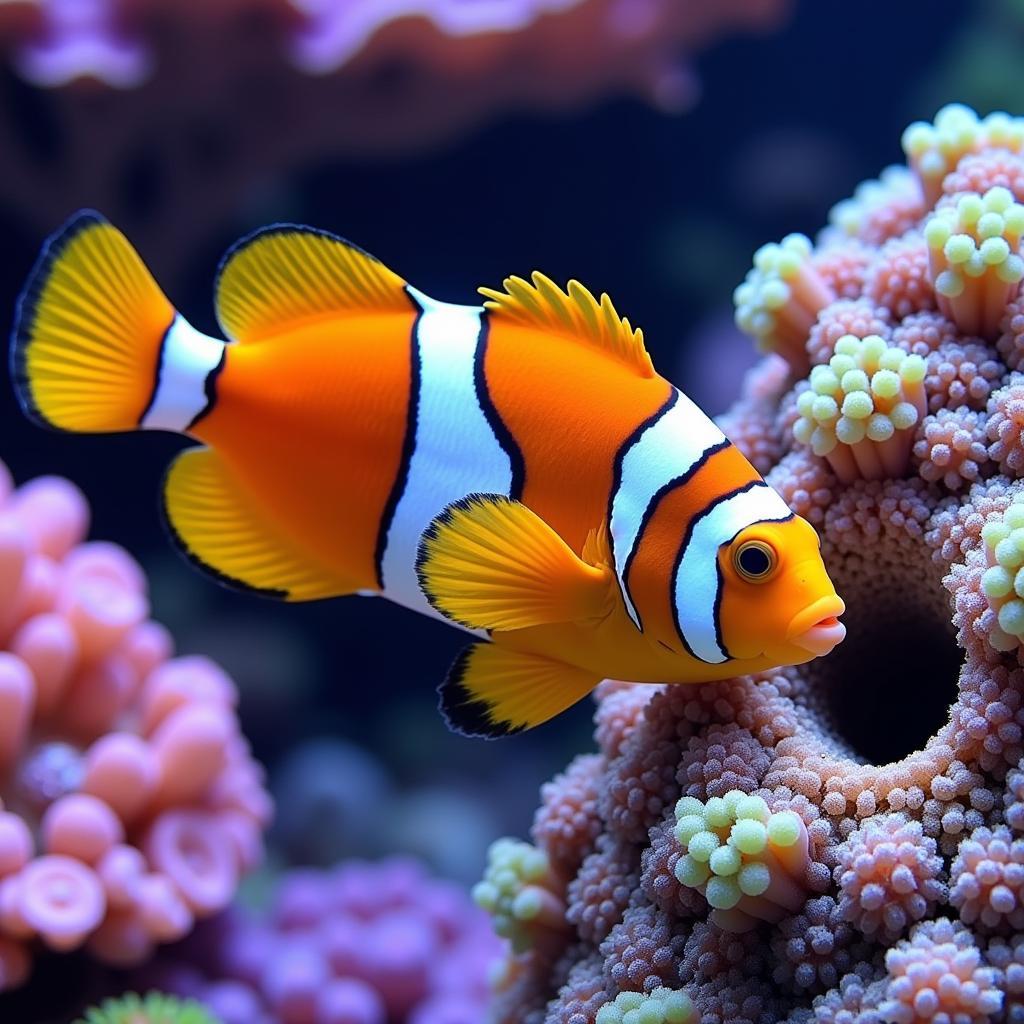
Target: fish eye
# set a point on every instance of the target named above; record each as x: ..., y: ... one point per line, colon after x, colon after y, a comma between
x: 754, y: 560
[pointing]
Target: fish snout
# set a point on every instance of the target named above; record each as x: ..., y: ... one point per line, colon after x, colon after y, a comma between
x: 817, y: 629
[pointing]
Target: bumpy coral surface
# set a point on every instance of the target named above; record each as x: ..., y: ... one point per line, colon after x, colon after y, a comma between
x: 843, y: 841
x: 130, y: 803
x: 363, y: 943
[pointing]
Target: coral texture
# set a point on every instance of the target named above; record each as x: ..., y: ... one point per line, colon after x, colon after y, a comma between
x: 130, y: 803
x: 362, y: 943
x: 841, y: 842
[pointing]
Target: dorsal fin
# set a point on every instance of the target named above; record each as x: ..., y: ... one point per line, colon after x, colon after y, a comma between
x: 575, y: 312
x: 281, y: 275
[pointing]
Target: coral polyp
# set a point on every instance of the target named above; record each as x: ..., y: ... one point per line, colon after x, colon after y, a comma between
x: 861, y: 408
x: 130, y: 804
x: 841, y: 841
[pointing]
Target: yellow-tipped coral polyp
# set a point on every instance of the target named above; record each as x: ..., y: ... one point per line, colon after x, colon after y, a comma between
x: 749, y: 863
x: 879, y: 209
x: 524, y: 895
x: 934, y: 150
x: 661, y: 1006
x: 861, y: 408
x: 780, y: 298
x: 1002, y: 583
x: 974, y: 258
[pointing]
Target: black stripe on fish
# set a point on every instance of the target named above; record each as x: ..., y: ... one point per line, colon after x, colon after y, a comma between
x: 620, y: 457
x: 408, y: 443
x: 652, y: 506
x: 690, y: 527
x: 210, y: 390
x: 502, y: 434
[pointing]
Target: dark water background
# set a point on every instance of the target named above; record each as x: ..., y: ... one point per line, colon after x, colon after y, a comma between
x: 662, y: 212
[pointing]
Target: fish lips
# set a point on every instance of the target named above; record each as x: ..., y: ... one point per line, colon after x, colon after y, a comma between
x: 817, y: 629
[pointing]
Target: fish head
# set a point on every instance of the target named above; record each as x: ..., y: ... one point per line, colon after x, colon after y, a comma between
x: 777, y: 601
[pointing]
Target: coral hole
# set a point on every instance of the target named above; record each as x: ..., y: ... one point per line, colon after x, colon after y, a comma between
x: 889, y: 686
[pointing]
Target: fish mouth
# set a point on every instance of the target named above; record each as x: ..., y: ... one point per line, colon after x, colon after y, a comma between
x: 817, y: 629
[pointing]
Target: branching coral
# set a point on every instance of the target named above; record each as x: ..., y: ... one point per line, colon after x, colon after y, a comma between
x: 131, y: 805
x: 890, y: 889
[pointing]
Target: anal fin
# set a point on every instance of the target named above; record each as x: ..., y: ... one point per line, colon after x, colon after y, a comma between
x: 492, y: 691
x: 220, y: 529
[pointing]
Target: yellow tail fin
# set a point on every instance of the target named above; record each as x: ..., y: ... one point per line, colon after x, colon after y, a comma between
x: 88, y: 330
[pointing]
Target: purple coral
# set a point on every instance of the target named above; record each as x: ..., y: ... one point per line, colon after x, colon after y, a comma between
x: 132, y: 805
x: 362, y: 943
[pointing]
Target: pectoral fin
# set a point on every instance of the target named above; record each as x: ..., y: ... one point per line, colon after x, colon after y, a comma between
x: 491, y: 563
x: 492, y: 691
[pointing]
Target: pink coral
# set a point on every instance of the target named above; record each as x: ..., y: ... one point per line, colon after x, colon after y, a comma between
x: 961, y: 374
x: 643, y: 951
x: 843, y: 266
x: 895, y: 767
x: 1007, y: 957
x: 889, y: 876
x: 1005, y: 427
x: 879, y: 210
x: 939, y: 971
x: 924, y: 333
x: 987, y: 879
x: 132, y: 806
x: 566, y: 824
x: 898, y: 277
x: 978, y: 172
x: 859, y: 317
x: 816, y: 947
x: 950, y: 448
x: 599, y: 894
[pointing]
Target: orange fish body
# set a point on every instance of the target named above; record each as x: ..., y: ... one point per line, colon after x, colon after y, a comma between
x: 518, y: 468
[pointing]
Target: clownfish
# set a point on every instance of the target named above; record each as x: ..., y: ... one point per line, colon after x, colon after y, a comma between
x: 518, y: 468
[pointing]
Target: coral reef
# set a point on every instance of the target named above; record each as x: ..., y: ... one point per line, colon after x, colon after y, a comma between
x: 843, y: 841
x: 130, y: 803
x: 207, y: 103
x: 362, y: 943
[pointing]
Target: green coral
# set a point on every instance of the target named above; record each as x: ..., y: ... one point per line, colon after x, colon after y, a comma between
x: 151, y: 1009
x: 662, y: 1006
x: 521, y: 893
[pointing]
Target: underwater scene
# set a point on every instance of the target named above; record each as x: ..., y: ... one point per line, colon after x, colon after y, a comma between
x: 512, y: 512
